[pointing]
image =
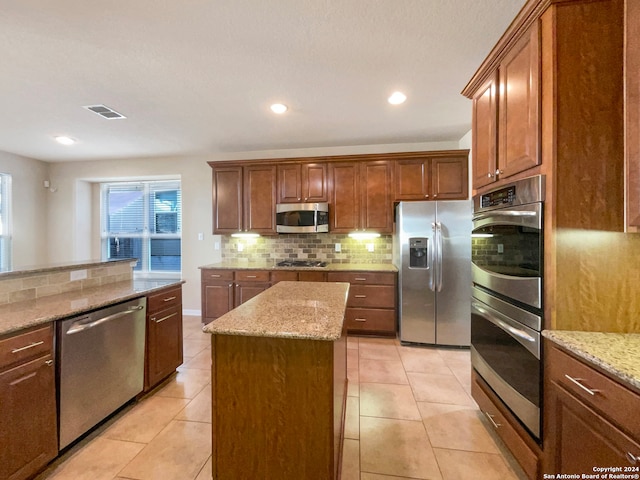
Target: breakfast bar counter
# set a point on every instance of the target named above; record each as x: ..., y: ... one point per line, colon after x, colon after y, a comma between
x: 279, y: 383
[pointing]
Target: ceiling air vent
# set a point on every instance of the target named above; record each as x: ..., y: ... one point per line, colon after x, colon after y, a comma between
x: 105, y: 112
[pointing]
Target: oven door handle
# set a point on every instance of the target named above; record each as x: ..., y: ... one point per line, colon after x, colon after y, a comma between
x: 506, y: 213
x: 528, y: 341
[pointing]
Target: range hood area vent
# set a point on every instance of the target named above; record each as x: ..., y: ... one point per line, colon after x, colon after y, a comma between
x: 105, y: 112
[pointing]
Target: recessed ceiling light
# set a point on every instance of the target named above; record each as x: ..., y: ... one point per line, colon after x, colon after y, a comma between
x: 397, y: 98
x: 65, y: 140
x: 279, y: 108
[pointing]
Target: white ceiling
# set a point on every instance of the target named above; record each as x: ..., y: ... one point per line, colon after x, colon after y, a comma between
x: 197, y: 76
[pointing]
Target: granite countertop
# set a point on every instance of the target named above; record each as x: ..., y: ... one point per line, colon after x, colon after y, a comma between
x: 19, y: 315
x: 616, y: 353
x: 331, y: 267
x: 297, y: 310
x: 52, y: 267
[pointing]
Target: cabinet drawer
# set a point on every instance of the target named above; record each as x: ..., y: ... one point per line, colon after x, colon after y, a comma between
x: 368, y: 319
x: 215, y: 275
x: 497, y: 420
x: 252, y: 276
x: 609, y: 397
x: 284, y: 277
x: 26, y: 345
x: 307, y: 276
x: 375, y: 296
x: 365, y: 278
x: 164, y: 299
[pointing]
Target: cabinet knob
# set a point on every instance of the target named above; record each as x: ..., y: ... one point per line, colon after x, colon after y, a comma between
x: 435, y: 196
x: 489, y: 175
x: 633, y: 459
x: 49, y: 363
x: 499, y: 172
x: 426, y: 196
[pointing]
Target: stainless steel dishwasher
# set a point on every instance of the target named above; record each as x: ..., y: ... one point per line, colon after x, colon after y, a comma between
x: 101, y: 365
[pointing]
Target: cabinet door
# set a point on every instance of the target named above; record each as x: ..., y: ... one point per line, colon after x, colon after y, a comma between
x: 412, y: 179
x: 485, y: 133
x: 227, y: 199
x: 345, y: 198
x: 289, y: 183
x: 217, y: 299
x: 376, y: 196
x: 519, y: 137
x: 164, y: 344
x: 28, y: 430
x: 314, y: 182
x: 260, y: 199
x: 246, y: 291
x: 449, y: 178
x: 632, y: 102
x: 583, y: 439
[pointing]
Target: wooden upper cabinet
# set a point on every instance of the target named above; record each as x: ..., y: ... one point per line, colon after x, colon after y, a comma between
x: 449, y: 178
x: 376, y: 208
x: 632, y: 102
x: 485, y: 133
x: 244, y: 199
x: 306, y: 182
x: 227, y: 199
x: 412, y: 179
x: 519, y: 106
x: 260, y: 199
x: 345, y: 199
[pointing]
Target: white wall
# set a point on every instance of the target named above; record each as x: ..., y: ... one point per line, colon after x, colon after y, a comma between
x: 29, y: 210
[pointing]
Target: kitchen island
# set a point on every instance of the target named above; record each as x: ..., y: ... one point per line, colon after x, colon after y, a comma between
x: 279, y: 383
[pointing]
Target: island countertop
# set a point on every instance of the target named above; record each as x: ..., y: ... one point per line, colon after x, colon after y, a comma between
x: 302, y: 310
x: 616, y: 353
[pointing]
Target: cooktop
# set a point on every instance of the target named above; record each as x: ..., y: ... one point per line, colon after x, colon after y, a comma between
x: 301, y: 263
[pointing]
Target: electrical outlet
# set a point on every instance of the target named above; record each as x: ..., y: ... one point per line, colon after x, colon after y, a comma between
x: 78, y: 275
x: 216, y: 246
x: 370, y: 247
x: 500, y: 248
x: 338, y: 247
x: 201, y: 236
x: 240, y: 247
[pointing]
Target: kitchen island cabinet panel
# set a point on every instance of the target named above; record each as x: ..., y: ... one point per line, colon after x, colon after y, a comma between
x: 28, y: 424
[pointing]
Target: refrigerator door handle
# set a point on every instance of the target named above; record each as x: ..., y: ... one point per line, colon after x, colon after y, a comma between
x: 439, y: 266
x: 432, y: 259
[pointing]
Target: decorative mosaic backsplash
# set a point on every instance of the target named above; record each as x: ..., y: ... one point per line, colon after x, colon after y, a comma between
x: 320, y: 246
x: 29, y: 286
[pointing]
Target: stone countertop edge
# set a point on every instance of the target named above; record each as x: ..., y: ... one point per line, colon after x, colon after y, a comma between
x: 331, y: 267
x: 34, y: 269
x: 615, y: 353
x: 30, y: 313
x: 294, y: 310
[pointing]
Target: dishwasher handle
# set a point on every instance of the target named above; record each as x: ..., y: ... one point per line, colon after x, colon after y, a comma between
x: 79, y: 326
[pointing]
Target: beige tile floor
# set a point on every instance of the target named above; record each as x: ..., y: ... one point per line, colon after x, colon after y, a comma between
x: 409, y: 416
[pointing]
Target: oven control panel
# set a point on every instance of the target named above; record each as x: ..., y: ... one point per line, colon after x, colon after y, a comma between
x: 504, y: 196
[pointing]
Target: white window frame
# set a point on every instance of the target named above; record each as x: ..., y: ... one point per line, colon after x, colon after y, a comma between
x: 5, y: 222
x: 145, y: 235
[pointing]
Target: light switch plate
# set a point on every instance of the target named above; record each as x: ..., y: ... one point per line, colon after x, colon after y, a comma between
x: 338, y: 247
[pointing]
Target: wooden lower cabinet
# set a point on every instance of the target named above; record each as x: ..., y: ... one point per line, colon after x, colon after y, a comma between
x: 28, y: 423
x: 164, y: 335
x: 591, y: 420
x: 499, y: 418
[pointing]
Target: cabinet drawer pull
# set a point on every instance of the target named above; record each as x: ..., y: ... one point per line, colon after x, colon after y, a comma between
x: 215, y: 276
x: 360, y: 319
x: 590, y: 391
x: 633, y: 459
x: 252, y: 276
x: 493, y: 422
x: 360, y: 279
x: 49, y: 363
x: 163, y: 318
x: 34, y: 344
x: 360, y: 296
x: 169, y: 299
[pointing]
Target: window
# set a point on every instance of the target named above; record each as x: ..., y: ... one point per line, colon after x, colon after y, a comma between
x: 5, y: 222
x: 143, y: 220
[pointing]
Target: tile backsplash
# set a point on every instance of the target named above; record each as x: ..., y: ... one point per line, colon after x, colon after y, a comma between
x: 319, y: 246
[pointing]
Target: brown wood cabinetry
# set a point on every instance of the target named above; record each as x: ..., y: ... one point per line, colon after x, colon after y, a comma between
x: 244, y: 199
x: 438, y: 177
x: 506, y: 126
x: 164, y: 335
x: 361, y: 196
x: 28, y: 424
x: 591, y: 419
x: 248, y: 284
x: 632, y: 109
x: 302, y: 182
x: 216, y: 293
x: 371, y: 306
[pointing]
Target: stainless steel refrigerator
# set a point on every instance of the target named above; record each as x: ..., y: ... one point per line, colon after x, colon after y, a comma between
x: 432, y: 251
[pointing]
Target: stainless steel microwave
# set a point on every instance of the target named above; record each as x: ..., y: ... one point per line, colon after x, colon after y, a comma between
x: 302, y: 217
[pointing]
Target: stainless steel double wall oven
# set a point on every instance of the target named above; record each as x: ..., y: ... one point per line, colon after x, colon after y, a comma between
x: 507, y: 295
